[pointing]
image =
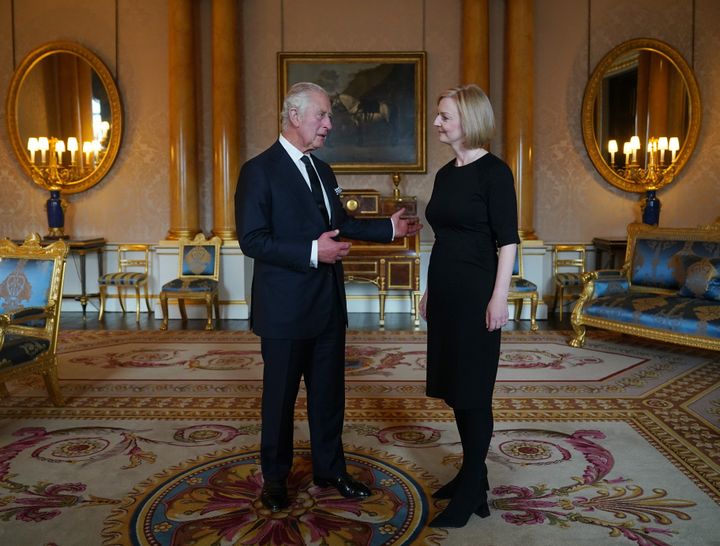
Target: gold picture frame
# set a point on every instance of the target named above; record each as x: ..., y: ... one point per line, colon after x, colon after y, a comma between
x: 378, y: 101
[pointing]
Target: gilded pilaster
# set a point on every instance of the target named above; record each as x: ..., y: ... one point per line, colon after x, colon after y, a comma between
x: 475, y: 54
x: 518, y: 111
x: 183, y: 172
x: 226, y: 146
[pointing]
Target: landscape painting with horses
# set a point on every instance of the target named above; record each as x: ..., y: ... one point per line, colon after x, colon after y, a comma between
x: 376, y: 111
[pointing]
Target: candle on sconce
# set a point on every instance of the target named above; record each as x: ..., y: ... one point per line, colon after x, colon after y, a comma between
x: 59, y: 149
x: 87, y: 150
x: 612, y: 149
x: 627, y: 150
x: 96, y: 147
x: 674, y: 146
x: 72, y: 146
x: 105, y: 129
x: 32, y: 147
x: 635, y: 144
x: 662, y: 145
x: 43, y: 146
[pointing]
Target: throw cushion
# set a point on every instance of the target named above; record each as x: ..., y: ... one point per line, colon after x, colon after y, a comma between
x: 702, y: 278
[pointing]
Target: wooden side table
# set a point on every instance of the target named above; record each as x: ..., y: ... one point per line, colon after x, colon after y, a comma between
x: 609, y: 252
x: 83, y: 247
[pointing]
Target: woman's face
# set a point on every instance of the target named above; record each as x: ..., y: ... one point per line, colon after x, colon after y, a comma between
x: 448, y: 122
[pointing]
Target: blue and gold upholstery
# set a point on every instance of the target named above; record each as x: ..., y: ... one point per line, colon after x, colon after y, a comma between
x: 569, y: 263
x: 198, y: 276
x: 521, y: 289
x: 668, y: 289
x: 31, y: 283
x: 132, y: 273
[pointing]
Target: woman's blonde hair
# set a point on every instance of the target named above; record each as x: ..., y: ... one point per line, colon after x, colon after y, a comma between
x: 476, y: 114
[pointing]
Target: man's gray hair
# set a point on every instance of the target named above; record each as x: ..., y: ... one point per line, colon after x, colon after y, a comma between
x: 298, y: 97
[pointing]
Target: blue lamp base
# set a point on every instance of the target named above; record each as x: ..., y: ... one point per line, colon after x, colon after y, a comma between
x: 56, y: 216
x: 651, y: 209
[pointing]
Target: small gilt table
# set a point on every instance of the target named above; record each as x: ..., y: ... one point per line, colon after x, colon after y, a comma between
x: 389, y: 266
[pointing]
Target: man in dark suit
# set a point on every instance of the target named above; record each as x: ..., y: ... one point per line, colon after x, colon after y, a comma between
x: 288, y: 217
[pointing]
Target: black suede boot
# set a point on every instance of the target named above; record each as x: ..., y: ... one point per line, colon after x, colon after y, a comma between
x: 470, y: 496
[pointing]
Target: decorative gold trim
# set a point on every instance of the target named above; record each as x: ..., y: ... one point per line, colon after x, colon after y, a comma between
x: 588, y: 111
x: 21, y: 74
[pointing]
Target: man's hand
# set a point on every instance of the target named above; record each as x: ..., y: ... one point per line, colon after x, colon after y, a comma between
x: 405, y: 227
x: 329, y: 250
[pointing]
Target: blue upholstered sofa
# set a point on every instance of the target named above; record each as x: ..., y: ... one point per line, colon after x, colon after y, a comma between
x: 668, y: 288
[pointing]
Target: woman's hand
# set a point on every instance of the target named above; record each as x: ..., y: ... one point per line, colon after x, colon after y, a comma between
x: 496, y: 315
x: 423, y: 306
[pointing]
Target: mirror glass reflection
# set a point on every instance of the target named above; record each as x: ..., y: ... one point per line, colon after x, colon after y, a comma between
x: 648, y: 119
x: 64, y: 117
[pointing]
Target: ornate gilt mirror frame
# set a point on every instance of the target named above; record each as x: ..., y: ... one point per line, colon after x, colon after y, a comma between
x: 41, y: 79
x: 683, y: 100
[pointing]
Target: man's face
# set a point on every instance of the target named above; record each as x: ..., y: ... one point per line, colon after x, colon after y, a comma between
x: 313, y: 124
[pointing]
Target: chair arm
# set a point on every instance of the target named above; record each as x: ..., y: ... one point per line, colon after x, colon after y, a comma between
x: 23, y: 315
x: 599, y: 283
x: 5, y: 321
x: 606, y: 281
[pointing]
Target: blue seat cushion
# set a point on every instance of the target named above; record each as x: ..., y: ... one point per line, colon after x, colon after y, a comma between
x: 522, y: 285
x: 18, y: 349
x: 122, y: 279
x: 190, y: 285
x: 675, y: 314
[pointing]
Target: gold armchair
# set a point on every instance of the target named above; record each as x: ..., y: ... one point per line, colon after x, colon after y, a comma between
x: 569, y: 263
x: 133, y: 266
x: 31, y: 284
x: 198, y: 275
x: 521, y: 288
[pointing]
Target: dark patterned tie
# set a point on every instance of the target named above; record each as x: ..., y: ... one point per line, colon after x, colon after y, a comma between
x: 316, y: 189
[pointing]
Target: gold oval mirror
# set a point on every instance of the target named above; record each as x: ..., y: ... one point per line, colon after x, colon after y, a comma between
x: 64, y: 117
x: 641, y: 115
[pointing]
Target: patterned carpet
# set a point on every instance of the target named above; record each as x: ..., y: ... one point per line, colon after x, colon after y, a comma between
x: 617, y: 443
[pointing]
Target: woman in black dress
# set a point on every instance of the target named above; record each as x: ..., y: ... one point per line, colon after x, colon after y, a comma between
x: 473, y: 213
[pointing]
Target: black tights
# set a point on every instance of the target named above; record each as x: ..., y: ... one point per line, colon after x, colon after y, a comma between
x: 475, y: 426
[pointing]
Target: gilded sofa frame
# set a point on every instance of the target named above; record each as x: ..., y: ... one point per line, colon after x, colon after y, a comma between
x: 636, y: 231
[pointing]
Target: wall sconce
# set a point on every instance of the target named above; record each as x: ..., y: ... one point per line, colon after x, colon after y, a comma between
x: 53, y: 172
x: 656, y: 172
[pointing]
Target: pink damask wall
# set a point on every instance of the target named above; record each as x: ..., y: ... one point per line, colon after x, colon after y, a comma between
x: 572, y: 202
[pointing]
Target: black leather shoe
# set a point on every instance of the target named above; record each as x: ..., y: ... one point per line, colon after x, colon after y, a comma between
x: 345, y: 485
x: 274, y: 496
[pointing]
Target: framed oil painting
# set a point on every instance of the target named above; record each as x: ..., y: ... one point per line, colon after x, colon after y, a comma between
x: 378, y: 102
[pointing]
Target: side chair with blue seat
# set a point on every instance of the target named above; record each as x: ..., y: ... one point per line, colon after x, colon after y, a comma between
x: 31, y: 285
x: 521, y: 289
x: 198, y: 278
x: 133, y: 271
x: 569, y: 264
